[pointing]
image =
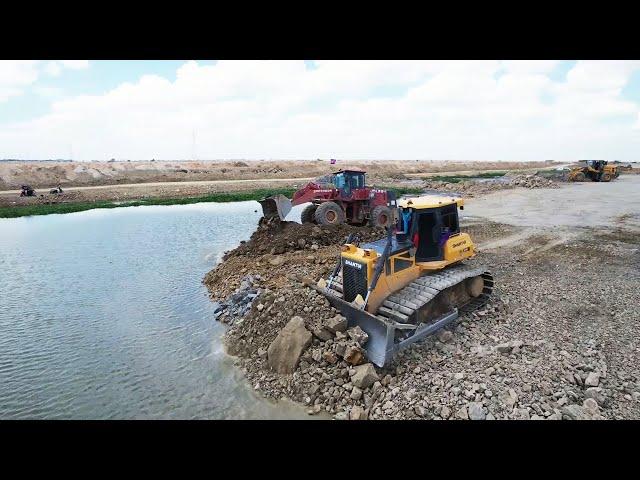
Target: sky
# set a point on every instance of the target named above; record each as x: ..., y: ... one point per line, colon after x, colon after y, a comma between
x: 430, y: 110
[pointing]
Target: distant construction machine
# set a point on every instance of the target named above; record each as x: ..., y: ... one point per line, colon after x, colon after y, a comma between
x: 595, y: 171
x: 27, y: 191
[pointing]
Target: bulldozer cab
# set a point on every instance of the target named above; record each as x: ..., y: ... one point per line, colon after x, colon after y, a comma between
x: 428, y: 225
x: 348, y: 180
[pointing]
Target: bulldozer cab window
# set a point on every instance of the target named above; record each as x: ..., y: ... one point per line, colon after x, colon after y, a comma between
x: 427, y: 226
x: 449, y: 216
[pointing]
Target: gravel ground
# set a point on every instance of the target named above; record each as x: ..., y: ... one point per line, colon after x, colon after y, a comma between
x: 559, y: 340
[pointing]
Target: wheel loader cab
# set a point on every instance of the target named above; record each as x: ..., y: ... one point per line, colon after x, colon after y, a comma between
x: 348, y: 180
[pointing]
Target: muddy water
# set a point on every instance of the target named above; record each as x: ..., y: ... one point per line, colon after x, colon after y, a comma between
x: 103, y: 315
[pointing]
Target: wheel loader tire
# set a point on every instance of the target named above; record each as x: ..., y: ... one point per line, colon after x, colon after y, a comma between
x: 380, y: 216
x: 307, y: 215
x: 606, y: 178
x: 579, y: 177
x: 329, y: 213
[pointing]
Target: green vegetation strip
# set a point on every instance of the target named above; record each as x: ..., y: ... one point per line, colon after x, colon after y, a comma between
x: 462, y: 178
x: 46, y: 209
x: 402, y: 190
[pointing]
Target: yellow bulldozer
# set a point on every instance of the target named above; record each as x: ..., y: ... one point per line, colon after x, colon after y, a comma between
x: 412, y: 283
x: 595, y: 171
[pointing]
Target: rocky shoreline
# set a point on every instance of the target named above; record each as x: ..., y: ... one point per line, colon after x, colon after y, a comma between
x: 541, y: 349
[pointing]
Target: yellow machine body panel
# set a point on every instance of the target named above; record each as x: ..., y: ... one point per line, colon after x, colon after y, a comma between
x: 429, y: 201
x: 610, y: 172
x: 401, y: 269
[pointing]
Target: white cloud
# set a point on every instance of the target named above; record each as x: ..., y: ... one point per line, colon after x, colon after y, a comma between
x: 53, y: 68
x: 530, y: 66
x: 15, y: 75
x: 366, y: 109
x: 75, y: 64
x: 18, y: 75
x: 48, y: 92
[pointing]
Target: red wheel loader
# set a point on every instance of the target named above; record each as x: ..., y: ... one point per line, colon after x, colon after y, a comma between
x: 341, y: 197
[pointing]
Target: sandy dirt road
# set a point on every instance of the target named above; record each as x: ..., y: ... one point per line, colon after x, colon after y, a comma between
x: 574, y: 205
x: 172, y: 184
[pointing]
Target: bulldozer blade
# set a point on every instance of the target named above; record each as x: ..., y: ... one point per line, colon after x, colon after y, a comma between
x: 379, y: 341
x: 382, y: 343
x: 276, y: 205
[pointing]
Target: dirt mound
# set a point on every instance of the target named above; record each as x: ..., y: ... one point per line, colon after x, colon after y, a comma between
x: 277, y: 249
x: 474, y: 187
x: 276, y: 237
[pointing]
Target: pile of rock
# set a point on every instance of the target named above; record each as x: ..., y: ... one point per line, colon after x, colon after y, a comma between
x: 239, y: 303
x: 469, y: 372
x: 531, y: 181
x: 276, y: 237
x: 472, y: 187
x: 284, y: 353
x: 541, y: 349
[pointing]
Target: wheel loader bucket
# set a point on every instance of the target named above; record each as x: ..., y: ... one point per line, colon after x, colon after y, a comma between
x: 276, y: 205
x: 385, y: 337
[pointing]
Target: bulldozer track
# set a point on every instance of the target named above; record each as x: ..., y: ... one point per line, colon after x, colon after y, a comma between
x: 403, y: 304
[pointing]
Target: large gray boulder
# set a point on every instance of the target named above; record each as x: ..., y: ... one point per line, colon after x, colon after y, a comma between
x: 364, y: 376
x: 593, y: 379
x: 284, y: 352
x: 476, y: 411
x: 577, y: 412
x: 336, y: 324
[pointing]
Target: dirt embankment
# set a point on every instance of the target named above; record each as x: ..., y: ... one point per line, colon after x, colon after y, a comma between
x: 78, y: 174
x: 558, y: 340
x: 281, y: 251
x: 473, y: 187
x: 130, y: 181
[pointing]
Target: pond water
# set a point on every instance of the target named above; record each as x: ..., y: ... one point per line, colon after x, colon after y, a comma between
x: 103, y: 316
